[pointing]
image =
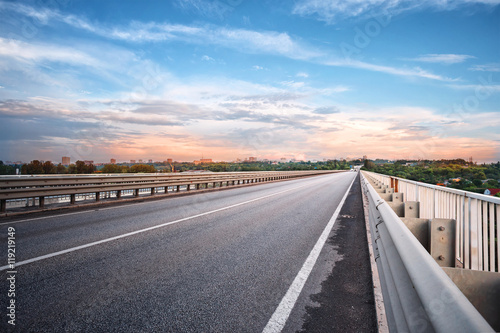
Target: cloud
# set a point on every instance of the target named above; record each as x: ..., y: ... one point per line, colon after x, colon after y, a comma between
x: 208, y: 8
x: 494, y: 67
x: 207, y: 58
x: 241, y: 40
x: 327, y: 110
x: 28, y: 52
x: 405, y: 72
x: 484, y: 90
x: 293, y: 84
x: 257, y: 68
x: 443, y: 58
x: 333, y: 11
x: 302, y: 74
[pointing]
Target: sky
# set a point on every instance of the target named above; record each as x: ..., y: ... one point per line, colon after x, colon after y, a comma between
x: 228, y: 79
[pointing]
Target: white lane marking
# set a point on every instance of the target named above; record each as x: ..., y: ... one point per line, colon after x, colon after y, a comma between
x: 105, y: 208
x: 76, y: 248
x: 282, y: 312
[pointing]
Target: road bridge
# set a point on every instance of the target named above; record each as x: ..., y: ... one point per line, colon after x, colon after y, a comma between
x: 255, y: 252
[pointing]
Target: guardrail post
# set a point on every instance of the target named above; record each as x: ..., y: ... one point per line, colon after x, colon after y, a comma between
x: 42, y: 202
x: 72, y: 199
x: 152, y: 191
x: 178, y: 188
x: 118, y: 194
x: 188, y: 187
x: 3, y: 205
x: 442, y: 241
x: 197, y: 186
x: 97, y: 196
x: 136, y: 192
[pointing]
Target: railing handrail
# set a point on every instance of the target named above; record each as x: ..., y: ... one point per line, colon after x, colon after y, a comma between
x: 445, y: 306
x: 57, y: 186
x: 463, y: 193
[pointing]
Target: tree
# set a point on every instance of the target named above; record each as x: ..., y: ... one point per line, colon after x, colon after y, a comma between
x: 7, y: 169
x: 60, y: 169
x: 114, y: 168
x: 48, y: 167
x: 142, y: 168
x: 477, y: 182
x: 34, y: 167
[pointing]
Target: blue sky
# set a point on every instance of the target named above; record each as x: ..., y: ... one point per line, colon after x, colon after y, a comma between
x: 227, y: 79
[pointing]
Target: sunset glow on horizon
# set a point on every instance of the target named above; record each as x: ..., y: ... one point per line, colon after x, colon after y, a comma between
x: 308, y: 80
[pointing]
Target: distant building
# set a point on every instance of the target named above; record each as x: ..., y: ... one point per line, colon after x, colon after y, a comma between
x: 140, y: 161
x: 203, y: 160
x: 88, y: 162
x: 252, y: 159
x: 169, y: 160
x: 112, y: 161
x: 65, y: 160
x: 150, y: 161
x: 132, y: 161
x: 492, y: 191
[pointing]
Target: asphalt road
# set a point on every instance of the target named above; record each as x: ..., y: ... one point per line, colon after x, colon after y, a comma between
x: 209, y: 262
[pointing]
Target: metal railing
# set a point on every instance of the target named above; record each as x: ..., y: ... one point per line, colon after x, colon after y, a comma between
x: 477, y: 218
x: 418, y: 295
x: 12, y: 188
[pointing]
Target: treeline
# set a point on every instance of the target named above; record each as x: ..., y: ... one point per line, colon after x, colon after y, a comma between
x: 264, y: 166
x: 79, y: 167
x: 36, y: 167
x: 458, y: 173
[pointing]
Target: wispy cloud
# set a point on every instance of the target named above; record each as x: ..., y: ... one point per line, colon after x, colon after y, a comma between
x: 327, y: 110
x: 242, y: 40
x: 333, y: 11
x: 408, y: 72
x: 485, y: 88
x: 443, y: 58
x: 495, y: 67
x: 208, y: 8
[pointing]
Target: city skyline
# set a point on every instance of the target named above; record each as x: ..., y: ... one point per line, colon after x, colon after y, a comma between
x: 306, y: 80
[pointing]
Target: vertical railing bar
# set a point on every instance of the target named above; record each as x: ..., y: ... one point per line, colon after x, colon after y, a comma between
x: 479, y: 236
x: 485, y: 246
x: 491, y: 228
x: 497, y: 224
x: 466, y: 219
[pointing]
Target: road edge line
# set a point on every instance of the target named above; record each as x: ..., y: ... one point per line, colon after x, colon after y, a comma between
x: 280, y: 316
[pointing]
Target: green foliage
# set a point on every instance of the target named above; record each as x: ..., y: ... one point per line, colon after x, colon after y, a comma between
x: 142, y: 168
x: 7, y: 169
x: 470, y: 174
x: 81, y: 168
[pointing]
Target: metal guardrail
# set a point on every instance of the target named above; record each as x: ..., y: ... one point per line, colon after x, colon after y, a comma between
x: 477, y: 217
x: 12, y: 188
x: 418, y: 295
